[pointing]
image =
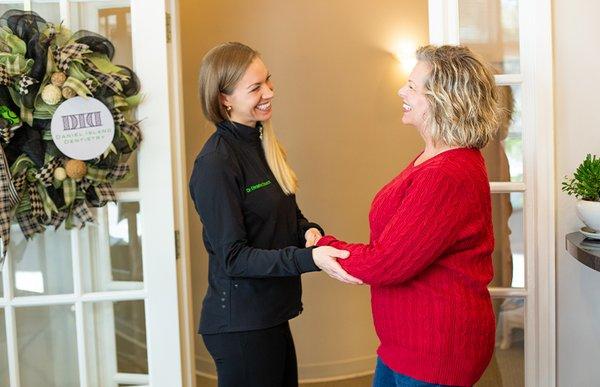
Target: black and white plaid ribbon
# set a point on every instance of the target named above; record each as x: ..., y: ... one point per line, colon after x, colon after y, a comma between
x: 91, y: 84
x: 20, y: 182
x: 46, y: 173
x: 118, y: 117
x: 118, y: 172
x: 104, y: 194
x: 111, y: 80
x: 29, y: 225
x: 85, y: 184
x: 8, y: 132
x: 82, y: 214
x: 58, y: 218
x: 5, y: 78
x: 24, y: 83
x: 133, y: 130
x: 9, y: 198
x: 36, y: 202
x: 64, y: 55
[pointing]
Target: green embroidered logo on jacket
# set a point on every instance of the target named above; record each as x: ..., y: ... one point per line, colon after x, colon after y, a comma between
x: 254, y: 187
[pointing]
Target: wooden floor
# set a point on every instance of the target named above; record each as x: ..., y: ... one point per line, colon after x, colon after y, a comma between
x: 505, y: 370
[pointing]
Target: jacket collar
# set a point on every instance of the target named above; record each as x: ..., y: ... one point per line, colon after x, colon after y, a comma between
x: 240, y: 132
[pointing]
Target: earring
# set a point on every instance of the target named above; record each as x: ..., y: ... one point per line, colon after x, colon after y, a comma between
x: 228, y: 108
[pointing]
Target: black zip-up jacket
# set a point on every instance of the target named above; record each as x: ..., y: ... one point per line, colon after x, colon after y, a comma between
x: 253, y: 233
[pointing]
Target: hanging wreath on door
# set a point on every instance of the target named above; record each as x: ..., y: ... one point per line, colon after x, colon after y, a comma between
x: 47, y: 176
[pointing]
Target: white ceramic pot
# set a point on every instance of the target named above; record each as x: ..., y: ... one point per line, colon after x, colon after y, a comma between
x: 589, y: 213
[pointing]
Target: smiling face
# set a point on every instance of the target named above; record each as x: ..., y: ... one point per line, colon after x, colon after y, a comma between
x: 250, y: 100
x: 415, y: 106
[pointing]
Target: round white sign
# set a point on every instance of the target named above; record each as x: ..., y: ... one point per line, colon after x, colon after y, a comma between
x: 82, y: 128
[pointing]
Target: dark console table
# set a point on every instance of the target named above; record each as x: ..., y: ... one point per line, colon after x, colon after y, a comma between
x: 585, y: 250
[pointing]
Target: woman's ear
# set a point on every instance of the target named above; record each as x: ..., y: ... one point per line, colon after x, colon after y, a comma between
x: 225, y: 100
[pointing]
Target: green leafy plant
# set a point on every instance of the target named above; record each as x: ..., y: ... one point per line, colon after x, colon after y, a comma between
x: 585, y: 183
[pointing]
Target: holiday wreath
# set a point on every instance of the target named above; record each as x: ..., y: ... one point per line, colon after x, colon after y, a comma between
x: 41, y: 66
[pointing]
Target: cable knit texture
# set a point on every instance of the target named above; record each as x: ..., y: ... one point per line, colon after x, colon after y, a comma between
x: 429, y: 262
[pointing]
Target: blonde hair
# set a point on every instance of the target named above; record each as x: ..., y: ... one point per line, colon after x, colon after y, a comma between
x: 220, y: 71
x: 462, y: 96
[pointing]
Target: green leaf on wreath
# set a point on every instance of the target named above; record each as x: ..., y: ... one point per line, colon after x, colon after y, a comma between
x: 111, y: 149
x: 79, y: 87
x: 69, y: 190
x: 17, y: 46
x: 24, y: 204
x: 104, y: 64
x: 134, y: 100
x: 76, y: 71
x: 21, y: 164
x: 119, y: 102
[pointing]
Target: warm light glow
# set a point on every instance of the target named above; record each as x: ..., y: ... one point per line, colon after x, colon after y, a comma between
x: 404, y: 52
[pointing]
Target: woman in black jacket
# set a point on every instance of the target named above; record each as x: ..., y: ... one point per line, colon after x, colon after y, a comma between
x: 258, y: 241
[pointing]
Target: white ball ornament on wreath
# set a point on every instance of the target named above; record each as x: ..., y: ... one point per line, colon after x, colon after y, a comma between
x: 51, y: 94
x: 60, y: 174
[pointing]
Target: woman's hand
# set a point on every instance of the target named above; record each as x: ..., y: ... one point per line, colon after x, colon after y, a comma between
x: 312, y: 236
x: 326, y: 257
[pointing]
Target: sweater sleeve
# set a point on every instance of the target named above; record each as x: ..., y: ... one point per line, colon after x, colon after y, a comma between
x: 304, y: 225
x: 423, y: 226
x: 216, y: 192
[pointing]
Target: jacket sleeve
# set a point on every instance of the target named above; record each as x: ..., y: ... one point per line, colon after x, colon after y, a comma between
x: 217, y: 194
x: 304, y: 225
x: 423, y: 226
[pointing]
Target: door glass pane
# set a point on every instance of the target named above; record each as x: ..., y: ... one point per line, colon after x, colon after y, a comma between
x: 49, y: 10
x: 119, y: 329
x: 491, y: 28
x: 507, y: 368
x: 509, y: 248
x: 504, y: 153
x: 125, y: 241
x: 47, y: 344
x: 112, y: 251
x: 112, y: 20
x: 42, y: 265
x: 4, y: 380
x: 8, y: 5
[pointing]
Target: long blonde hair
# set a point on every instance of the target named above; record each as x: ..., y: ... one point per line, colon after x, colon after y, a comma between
x: 462, y: 95
x: 220, y: 71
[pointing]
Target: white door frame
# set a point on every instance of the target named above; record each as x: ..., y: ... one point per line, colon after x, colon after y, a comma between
x: 535, y: 34
x: 180, y: 189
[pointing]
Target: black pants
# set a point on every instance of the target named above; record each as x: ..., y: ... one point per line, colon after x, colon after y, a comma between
x: 262, y: 358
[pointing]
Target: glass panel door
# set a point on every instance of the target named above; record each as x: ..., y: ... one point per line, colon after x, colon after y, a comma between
x: 491, y: 28
x: 98, y: 306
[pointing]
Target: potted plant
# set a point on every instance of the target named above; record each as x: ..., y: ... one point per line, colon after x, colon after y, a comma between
x: 585, y: 186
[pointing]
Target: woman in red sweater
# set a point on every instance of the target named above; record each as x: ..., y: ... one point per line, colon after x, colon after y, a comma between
x: 428, y: 260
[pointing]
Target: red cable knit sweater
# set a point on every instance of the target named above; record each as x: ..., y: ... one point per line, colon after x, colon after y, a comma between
x: 429, y: 263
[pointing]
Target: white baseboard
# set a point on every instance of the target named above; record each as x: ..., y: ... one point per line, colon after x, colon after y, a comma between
x: 309, y: 373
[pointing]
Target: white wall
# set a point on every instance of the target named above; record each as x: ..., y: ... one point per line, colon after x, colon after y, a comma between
x: 577, y: 79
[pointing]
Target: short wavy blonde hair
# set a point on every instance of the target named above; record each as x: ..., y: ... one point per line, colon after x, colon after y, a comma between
x: 463, y: 96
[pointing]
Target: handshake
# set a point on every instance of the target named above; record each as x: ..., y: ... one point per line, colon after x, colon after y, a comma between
x: 325, y: 257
